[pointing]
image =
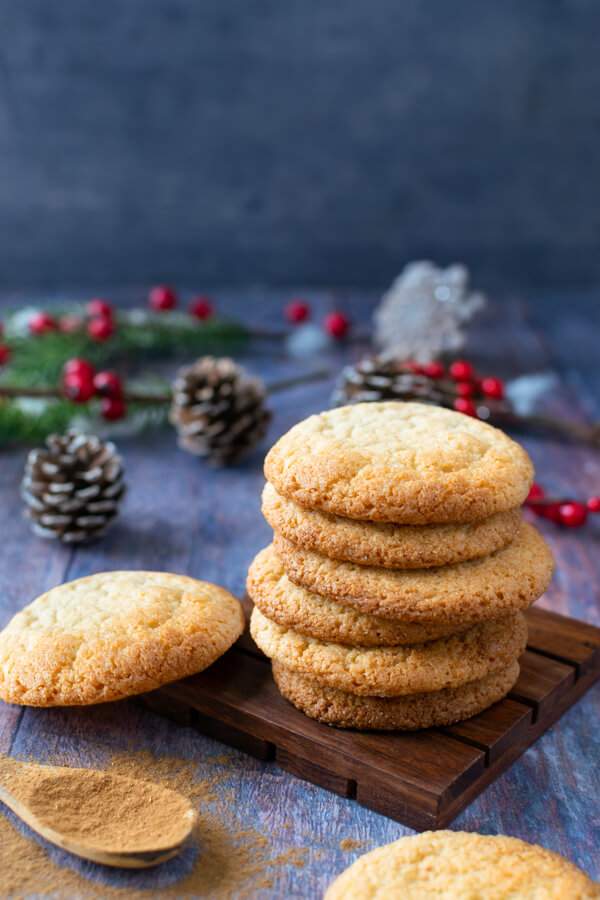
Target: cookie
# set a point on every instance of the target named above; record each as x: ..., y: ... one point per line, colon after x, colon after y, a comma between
x: 383, y: 543
x: 407, y: 713
x: 394, y: 671
x: 456, y: 865
x: 457, y: 595
x: 296, y: 607
x: 407, y: 463
x: 112, y: 635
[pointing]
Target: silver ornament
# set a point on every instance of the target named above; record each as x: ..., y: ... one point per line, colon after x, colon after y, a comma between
x: 424, y: 313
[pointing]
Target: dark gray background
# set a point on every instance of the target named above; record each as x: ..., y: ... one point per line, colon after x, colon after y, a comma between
x: 298, y: 141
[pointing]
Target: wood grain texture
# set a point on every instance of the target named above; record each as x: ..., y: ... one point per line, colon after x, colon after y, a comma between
x: 180, y: 516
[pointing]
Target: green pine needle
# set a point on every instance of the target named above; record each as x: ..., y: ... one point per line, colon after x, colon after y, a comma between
x: 37, y: 360
x: 22, y: 423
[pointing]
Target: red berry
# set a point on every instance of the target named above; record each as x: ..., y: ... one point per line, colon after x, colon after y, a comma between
x: 201, y: 307
x: 433, y: 370
x: 466, y: 406
x: 5, y: 354
x: 572, y: 515
x: 69, y: 324
x: 162, y: 297
x: 336, y: 324
x: 461, y: 370
x: 411, y: 365
x: 100, y: 328
x: 99, y: 307
x: 493, y: 387
x: 108, y: 384
x: 536, y: 492
x: 112, y: 408
x: 593, y: 504
x: 78, y: 366
x: 41, y: 323
x: 465, y: 388
x: 550, y: 511
x: 297, y: 311
x: 78, y: 387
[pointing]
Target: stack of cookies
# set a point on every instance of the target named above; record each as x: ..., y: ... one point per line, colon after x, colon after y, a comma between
x: 392, y: 596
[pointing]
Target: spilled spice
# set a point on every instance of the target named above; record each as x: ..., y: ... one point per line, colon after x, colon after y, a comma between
x: 350, y: 844
x: 227, y: 861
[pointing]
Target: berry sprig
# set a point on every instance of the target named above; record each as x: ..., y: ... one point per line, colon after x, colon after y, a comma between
x: 336, y: 323
x: 570, y: 513
x: 469, y: 393
x: 35, y: 344
x: 100, y: 320
x: 81, y: 384
x: 457, y: 386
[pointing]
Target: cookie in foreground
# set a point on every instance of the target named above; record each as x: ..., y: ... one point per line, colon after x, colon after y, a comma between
x: 457, y: 865
x: 112, y: 635
x: 407, y: 463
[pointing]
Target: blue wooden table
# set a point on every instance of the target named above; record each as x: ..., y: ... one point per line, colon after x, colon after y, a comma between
x: 182, y: 517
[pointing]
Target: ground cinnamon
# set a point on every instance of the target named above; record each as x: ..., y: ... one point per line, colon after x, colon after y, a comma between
x: 99, y: 810
x: 227, y: 860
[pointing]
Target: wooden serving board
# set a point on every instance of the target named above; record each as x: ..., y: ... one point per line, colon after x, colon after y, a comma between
x: 423, y: 779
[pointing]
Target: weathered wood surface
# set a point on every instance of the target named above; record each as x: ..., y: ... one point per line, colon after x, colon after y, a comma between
x: 180, y: 516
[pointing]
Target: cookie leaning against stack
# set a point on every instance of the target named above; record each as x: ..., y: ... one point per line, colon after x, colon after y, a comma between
x: 392, y: 595
x: 112, y: 635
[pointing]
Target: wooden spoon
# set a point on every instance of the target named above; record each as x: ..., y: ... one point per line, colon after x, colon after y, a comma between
x: 109, y: 819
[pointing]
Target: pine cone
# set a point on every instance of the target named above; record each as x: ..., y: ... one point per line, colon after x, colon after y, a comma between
x: 218, y: 411
x: 73, y: 488
x: 380, y: 378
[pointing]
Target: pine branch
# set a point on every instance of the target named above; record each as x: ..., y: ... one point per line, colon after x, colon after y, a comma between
x: 29, y: 414
x: 30, y: 424
x: 38, y: 359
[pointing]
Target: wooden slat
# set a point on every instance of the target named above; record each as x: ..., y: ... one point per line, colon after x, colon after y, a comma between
x: 309, y: 770
x: 233, y: 737
x: 542, y: 683
x: 165, y: 704
x: 566, y: 640
x: 495, y: 729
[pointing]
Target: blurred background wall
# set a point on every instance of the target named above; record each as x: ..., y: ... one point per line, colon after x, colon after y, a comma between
x: 303, y: 141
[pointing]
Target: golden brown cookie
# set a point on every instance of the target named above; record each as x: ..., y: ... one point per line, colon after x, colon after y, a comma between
x: 394, y: 671
x: 407, y: 713
x: 296, y: 607
x: 510, y: 579
x: 383, y: 543
x: 456, y: 865
x: 112, y: 635
x: 407, y: 463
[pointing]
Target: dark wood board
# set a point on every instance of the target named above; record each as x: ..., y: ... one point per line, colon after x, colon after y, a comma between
x: 423, y: 779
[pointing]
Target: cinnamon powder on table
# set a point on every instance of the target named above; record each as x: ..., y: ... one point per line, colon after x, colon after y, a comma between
x: 227, y: 861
